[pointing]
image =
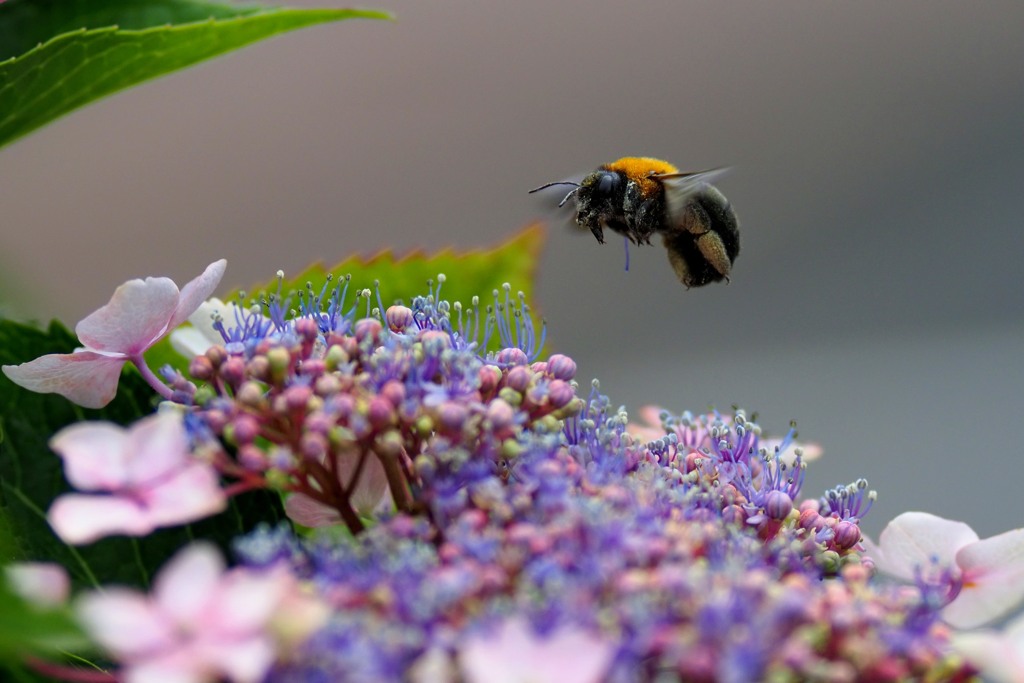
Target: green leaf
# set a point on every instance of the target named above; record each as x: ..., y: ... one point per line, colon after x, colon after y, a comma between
x: 31, y: 475
x: 63, y: 54
x: 470, y: 273
x: 28, y: 629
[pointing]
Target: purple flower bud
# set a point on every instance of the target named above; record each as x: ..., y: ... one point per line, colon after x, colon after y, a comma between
x: 216, y: 420
x: 245, y: 428
x: 561, y: 367
x: 343, y: 405
x: 512, y: 356
x: 217, y: 355
x: 327, y: 385
x: 319, y: 423
x: 810, y: 519
x: 518, y: 378
x: 847, y: 535
x: 399, y: 318
x: 430, y: 337
x: 778, y: 505
x: 452, y: 416
x: 252, y: 457
x: 307, y: 329
x: 560, y: 393
x: 381, y: 413
x: 734, y: 514
x: 313, y: 367
x: 500, y: 414
x: 368, y: 328
x: 258, y: 367
x: 201, y: 368
x: 232, y: 371
x: 394, y: 392
x: 313, y: 446
x: 297, y: 397
x: 490, y: 376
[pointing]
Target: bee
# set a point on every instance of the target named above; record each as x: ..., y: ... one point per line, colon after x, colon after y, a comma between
x: 639, y: 196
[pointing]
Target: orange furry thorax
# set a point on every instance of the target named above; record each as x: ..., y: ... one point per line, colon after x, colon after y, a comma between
x: 639, y: 170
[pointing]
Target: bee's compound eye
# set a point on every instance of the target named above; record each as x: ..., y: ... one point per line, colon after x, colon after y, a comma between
x: 607, y: 183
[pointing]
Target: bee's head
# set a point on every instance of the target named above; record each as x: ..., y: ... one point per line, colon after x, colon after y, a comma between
x: 598, y: 200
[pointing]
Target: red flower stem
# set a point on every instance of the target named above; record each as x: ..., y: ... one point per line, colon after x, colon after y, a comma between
x: 151, y: 379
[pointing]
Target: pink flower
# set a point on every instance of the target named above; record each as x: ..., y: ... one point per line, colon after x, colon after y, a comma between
x: 139, y: 314
x: 42, y: 583
x: 990, y: 572
x: 370, y: 493
x: 515, y: 654
x: 144, y: 477
x: 199, y: 624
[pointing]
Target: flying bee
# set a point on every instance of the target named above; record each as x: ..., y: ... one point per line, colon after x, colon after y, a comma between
x: 639, y: 196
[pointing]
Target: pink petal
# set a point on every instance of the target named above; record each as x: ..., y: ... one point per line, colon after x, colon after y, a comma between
x: 243, y: 661
x: 43, y: 583
x: 914, y: 539
x: 124, y: 622
x: 993, y: 573
x: 193, y: 492
x: 84, y: 377
x: 302, y: 509
x: 372, y: 488
x: 95, y: 455
x: 514, y: 654
x: 177, y: 668
x: 79, y: 518
x: 196, y: 292
x: 247, y: 600
x: 998, y: 656
x: 158, y: 445
x: 136, y: 317
x: 188, y: 584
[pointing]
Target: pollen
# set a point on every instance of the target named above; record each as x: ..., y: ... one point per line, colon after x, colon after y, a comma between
x: 639, y: 170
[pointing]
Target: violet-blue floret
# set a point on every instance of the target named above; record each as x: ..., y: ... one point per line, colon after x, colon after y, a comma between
x: 513, y: 495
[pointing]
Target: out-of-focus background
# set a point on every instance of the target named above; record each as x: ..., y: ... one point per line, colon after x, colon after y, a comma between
x: 878, y: 156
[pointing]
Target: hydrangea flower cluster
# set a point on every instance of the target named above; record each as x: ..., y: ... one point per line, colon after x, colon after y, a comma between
x: 481, y: 519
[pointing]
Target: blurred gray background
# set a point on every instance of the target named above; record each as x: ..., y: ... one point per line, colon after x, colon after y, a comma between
x: 878, y: 174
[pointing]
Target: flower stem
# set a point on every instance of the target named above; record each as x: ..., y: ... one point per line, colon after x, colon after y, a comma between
x: 151, y: 379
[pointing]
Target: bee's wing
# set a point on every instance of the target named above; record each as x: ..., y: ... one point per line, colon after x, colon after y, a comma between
x: 679, y: 187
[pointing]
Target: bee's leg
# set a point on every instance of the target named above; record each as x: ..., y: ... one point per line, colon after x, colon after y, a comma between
x: 677, y: 261
x: 634, y: 209
x: 598, y: 231
x: 697, y: 222
x: 649, y: 217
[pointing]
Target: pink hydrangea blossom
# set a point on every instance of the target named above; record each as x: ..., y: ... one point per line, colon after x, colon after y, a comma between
x: 989, y: 573
x: 200, y: 623
x: 515, y: 654
x: 138, y: 479
x: 139, y: 314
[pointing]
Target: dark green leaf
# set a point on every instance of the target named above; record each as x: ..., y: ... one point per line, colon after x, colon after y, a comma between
x: 31, y: 475
x: 62, y: 54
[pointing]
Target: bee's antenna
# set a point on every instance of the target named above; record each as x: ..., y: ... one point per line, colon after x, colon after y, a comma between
x: 560, y: 182
x: 566, y: 197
